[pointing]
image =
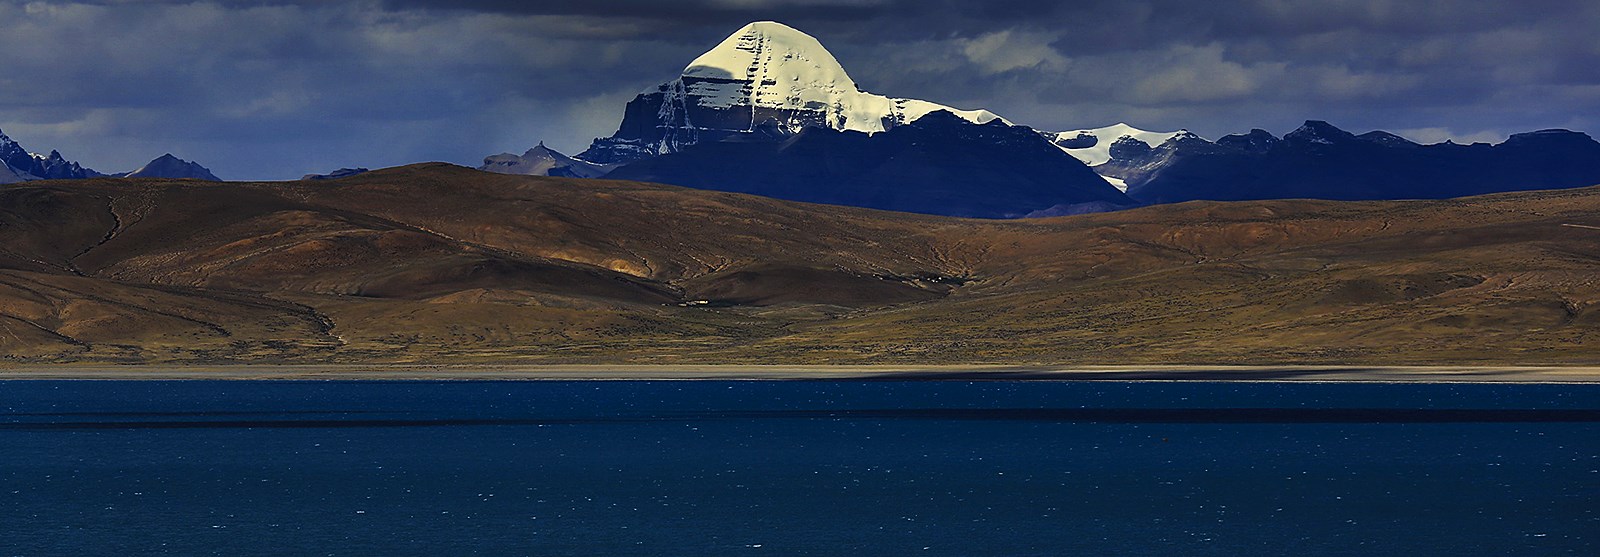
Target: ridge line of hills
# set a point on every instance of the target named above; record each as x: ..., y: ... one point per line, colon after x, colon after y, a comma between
x: 433, y: 262
x: 18, y: 164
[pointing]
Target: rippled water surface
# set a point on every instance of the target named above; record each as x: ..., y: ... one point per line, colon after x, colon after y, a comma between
x: 797, y: 468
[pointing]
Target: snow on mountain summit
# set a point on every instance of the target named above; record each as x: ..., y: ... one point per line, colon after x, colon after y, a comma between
x: 1093, y: 146
x: 766, y: 77
x: 768, y: 64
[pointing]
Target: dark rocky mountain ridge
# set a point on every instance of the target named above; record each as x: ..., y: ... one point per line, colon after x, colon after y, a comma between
x: 1321, y: 161
x: 169, y: 166
x: 44, y: 167
x: 939, y: 164
x: 770, y: 112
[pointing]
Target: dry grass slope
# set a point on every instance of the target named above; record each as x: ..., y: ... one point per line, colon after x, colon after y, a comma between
x: 436, y: 263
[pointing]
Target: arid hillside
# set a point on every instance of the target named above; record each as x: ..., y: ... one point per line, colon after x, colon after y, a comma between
x: 437, y: 263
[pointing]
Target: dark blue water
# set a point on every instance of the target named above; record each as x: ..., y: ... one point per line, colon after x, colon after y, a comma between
x: 797, y: 468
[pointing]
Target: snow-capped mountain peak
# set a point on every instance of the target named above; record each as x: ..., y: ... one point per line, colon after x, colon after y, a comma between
x: 764, y: 73
x: 770, y: 65
x: 1093, y: 146
x: 28, y: 165
x: 776, y: 57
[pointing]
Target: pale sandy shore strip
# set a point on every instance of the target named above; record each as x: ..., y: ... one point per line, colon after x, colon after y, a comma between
x: 1394, y: 374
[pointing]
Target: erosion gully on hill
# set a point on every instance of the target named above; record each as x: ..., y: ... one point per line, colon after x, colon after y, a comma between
x: 433, y: 262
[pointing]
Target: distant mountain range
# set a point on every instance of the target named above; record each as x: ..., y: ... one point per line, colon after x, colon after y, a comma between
x: 17, y: 164
x: 337, y: 174
x: 1320, y: 161
x: 20, y: 165
x: 544, y: 161
x: 769, y: 111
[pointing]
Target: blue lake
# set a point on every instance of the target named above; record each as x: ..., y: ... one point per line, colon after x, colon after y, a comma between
x: 797, y: 468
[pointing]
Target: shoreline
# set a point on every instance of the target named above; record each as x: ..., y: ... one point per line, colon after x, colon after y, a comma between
x: 590, y: 372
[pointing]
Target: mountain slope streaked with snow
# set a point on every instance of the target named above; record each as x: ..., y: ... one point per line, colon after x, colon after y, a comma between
x: 10, y: 175
x: 769, y: 65
x: 765, y: 78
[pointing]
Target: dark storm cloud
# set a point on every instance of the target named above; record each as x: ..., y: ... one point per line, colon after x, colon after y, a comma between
x: 274, y: 89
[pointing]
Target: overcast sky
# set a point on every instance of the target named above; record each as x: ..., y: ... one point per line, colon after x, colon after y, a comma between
x: 275, y: 89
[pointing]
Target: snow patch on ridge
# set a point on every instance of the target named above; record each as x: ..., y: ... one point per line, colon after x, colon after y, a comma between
x: 1100, y: 152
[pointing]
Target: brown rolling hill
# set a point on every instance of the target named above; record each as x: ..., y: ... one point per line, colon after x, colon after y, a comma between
x: 437, y: 263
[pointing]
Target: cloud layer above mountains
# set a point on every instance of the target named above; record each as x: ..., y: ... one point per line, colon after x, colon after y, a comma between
x: 275, y: 89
